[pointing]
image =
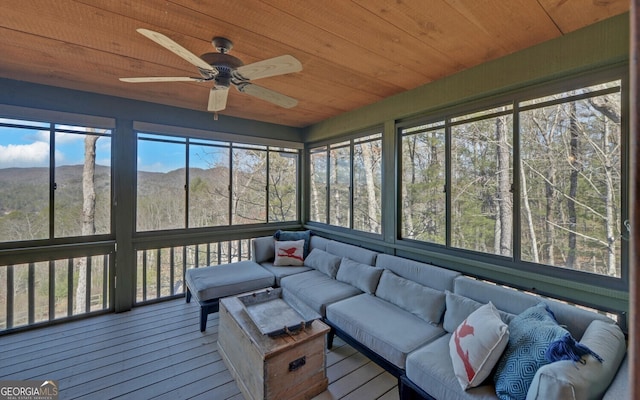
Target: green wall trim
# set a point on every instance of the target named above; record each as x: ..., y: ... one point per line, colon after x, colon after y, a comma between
x: 595, y: 46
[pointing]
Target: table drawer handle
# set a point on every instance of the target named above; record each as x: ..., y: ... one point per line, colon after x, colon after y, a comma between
x: 295, y: 364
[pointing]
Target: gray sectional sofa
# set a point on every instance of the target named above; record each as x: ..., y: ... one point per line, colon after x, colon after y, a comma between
x: 402, y: 314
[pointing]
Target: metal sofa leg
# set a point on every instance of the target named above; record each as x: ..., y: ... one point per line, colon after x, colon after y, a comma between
x: 330, y: 336
x: 188, y: 295
x: 203, y: 318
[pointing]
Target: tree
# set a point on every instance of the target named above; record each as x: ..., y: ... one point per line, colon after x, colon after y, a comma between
x: 504, y: 215
x: 88, y: 216
x: 367, y: 205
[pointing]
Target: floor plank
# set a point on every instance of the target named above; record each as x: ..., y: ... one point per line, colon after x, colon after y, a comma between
x: 158, y: 352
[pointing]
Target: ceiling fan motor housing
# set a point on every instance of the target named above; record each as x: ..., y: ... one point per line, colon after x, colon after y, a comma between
x: 225, y: 64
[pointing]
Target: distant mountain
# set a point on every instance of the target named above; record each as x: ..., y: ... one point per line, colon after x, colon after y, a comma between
x: 28, y: 188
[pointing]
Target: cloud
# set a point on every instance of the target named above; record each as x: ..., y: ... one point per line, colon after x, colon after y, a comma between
x: 63, y: 137
x: 24, y: 155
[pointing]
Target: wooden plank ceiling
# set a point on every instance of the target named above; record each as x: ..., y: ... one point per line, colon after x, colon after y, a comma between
x: 353, y: 53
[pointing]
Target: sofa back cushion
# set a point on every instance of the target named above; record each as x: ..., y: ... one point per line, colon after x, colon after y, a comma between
x: 422, y: 273
x: 515, y: 302
x: 458, y: 308
x: 575, y: 319
x: 422, y: 301
x: 504, y: 298
x: 263, y: 249
x: 358, y: 254
x: 318, y: 242
x: 324, y: 262
x: 363, y: 276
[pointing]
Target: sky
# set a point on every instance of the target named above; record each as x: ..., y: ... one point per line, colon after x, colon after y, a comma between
x: 30, y: 147
x: 24, y: 148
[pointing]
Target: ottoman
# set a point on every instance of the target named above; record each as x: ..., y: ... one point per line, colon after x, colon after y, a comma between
x: 208, y: 285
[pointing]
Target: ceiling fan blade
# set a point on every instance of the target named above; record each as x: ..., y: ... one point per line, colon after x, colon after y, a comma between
x: 274, y: 66
x: 170, y: 45
x: 161, y: 79
x: 269, y: 95
x: 218, y: 99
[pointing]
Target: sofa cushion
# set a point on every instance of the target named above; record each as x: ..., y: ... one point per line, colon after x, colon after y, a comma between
x: 459, y: 307
x: 512, y: 301
x: 504, y: 298
x: 574, y: 319
x: 530, y: 334
x: 295, y: 235
x: 280, y: 272
x: 318, y: 242
x: 419, y: 300
x: 263, y: 249
x: 355, y: 253
x: 425, y: 274
x: 226, y: 280
x: 431, y: 369
x: 364, y: 277
x: 382, y: 327
x: 568, y: 380
x: 317, y: 290
x: 619, y: 388
x: 289, y: 253
x: 323, y: 262
x: 477, y: 344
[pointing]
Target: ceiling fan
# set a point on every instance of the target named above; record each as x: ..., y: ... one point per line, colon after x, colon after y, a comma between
x: 226, y: 70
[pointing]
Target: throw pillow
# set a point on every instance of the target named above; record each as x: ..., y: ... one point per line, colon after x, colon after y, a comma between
x: 364, y: 277
x: 530, y: 334
x: 289, y: 253
x: 324, y: 262
x: 476, y: 346
x: 295, y: 235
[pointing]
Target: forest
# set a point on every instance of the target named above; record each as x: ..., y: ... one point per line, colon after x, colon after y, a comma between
x: 568, y: 208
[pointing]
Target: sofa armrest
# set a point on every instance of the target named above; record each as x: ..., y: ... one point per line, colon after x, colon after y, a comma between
x: 568, y: 380
x: 263, y: 249
x: 619, y: 388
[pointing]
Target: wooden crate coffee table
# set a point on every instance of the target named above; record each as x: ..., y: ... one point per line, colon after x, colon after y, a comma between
x: 283, y: 367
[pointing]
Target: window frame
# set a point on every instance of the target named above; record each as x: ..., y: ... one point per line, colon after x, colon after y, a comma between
x: 228, y: 141
x: 349, y: 141
x: 54, y: 122
x: 516, y: 97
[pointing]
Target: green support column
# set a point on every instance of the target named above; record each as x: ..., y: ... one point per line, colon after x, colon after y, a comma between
x: 389, y: 183
x: 124, y: 170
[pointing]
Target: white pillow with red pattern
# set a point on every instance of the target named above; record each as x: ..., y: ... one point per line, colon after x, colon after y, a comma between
x: 289, y: 253
x: 477, y: 344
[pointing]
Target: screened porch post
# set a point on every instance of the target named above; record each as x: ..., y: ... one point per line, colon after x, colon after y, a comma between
x: 634, y: 172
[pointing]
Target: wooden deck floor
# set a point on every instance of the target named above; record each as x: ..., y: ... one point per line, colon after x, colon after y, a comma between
x: 158, y: 352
